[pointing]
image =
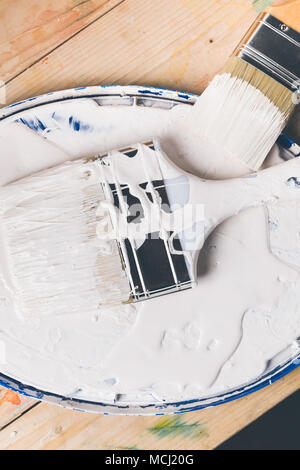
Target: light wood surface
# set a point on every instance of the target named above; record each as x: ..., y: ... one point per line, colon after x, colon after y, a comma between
x: 168, y: 43
x: 12, y: 405
x: 288, y: 12
x: 180, y: 44
x: 30, y: 29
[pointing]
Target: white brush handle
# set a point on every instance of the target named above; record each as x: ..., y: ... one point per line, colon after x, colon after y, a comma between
x: 223, y: 199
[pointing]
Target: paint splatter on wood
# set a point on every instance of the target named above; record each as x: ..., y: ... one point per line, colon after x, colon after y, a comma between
x: 261, y: 5
x: 173, y: 426
x: 12, y: 405
x: 10, y: 397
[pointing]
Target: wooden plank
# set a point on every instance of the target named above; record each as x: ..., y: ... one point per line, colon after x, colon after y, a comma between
x: 51, y: 427
x: 12, y: 405
x: 30, y: 29
x: 169, y: 43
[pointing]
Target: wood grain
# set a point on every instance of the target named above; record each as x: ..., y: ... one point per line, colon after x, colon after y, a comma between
x: 168, y: 43
x: 30, y: 29
x: 50, y: 427
x: 12, y: 405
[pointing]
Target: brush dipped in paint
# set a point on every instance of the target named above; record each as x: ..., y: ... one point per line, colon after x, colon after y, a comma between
x: 124, y: 226
x: 247, y: 105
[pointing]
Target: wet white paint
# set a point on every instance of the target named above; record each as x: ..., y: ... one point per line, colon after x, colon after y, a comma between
x: 227, y: 331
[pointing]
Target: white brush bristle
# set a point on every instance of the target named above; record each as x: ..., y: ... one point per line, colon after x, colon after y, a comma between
x: 241, y: 117
x: 57, y: 263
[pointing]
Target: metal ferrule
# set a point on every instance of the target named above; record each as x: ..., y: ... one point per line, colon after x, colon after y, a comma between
x: 273, y: 48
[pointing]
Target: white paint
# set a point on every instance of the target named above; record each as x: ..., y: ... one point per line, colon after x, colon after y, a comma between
x: 241, y: 118
x: 223, y: 333
x: 218, y: 200
x: 60, y: 277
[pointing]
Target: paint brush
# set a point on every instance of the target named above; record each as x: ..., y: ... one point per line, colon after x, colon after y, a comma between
x: 121, y: 227
x: 247, y: 105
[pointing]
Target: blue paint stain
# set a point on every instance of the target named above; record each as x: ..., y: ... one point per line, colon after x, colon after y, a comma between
x: 184, y: 96
x: 22, y: 102
x: 77, y: 125
x: 34, y: 124
x: 293, y: 181
x: 38, y: 126
x: 150, y: 92
x: 16, y: 104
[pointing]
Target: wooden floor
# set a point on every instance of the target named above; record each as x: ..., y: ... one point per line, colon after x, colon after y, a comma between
x: 180, y: 44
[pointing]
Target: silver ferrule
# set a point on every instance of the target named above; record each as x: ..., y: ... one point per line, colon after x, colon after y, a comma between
x: 273, y: 48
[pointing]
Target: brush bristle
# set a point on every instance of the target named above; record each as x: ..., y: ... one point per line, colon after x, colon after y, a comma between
x: 57, y: 263
x: 277, y: 93
x: 244, y: 111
